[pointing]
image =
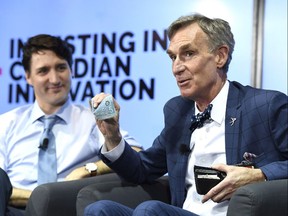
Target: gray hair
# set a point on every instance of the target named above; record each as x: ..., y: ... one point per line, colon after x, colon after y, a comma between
x: 218, y: 32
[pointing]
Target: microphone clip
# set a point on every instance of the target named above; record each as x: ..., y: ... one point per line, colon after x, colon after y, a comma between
x: 44, y: 144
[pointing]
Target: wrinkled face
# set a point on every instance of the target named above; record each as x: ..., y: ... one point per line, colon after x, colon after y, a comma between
x: 193, y: 64
x: 51, y: 78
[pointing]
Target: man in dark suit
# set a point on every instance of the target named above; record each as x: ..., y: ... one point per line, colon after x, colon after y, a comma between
x: 244, y: 125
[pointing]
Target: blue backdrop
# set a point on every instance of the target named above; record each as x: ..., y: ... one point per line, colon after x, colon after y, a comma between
x: 119, y: 47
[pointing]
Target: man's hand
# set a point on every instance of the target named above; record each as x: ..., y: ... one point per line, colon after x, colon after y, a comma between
x: 236, y: 177
x: 81, y: 172
x: 19, y: 197
x: 108, y: 127
x: 78, y: 173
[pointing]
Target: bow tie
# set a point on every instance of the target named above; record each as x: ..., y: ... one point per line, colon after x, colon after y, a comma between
x: 197, y: 121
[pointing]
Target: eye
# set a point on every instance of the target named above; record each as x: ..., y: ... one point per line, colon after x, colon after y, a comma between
x: 62, y: 67
x: 188, y: 53
x: 43, y: 70
x: 172, y: 57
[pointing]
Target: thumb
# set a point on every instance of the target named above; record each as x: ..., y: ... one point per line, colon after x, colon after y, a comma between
x: 221, y: 167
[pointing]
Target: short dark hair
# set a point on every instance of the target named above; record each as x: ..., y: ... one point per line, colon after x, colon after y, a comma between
x: 41, y: 42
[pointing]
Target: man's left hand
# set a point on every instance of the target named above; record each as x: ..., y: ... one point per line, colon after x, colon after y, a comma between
x: 236, y: 177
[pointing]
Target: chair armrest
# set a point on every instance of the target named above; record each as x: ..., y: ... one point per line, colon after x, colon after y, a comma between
x: 120, y: 191
x: 57, y: 199
x: 265, y: 199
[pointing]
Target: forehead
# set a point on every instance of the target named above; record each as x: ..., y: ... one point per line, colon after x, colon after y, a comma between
x: 45, y: 57
x: 191, y: 35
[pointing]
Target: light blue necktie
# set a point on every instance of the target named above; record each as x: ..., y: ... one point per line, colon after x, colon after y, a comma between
x: 47, y: 161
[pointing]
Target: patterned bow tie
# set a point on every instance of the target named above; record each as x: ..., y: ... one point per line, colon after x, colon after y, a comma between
x: 197, y: 121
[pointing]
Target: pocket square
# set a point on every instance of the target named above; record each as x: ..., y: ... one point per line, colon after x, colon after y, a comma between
x: 249, y: 156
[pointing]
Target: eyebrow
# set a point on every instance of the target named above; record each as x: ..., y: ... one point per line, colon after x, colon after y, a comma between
x: 41, y: 68
x: 181, y: 48
x: 62, y: 64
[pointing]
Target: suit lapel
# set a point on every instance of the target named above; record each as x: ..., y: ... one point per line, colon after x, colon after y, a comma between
x: 182, y: 161
x: 232, y: 124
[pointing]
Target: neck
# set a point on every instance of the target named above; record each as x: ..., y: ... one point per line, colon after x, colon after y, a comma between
x: 202, y: 103
x: 50, y: 109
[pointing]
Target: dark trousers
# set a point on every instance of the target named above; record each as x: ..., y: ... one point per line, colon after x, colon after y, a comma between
x: 5, y: 193
x: 147, y: 208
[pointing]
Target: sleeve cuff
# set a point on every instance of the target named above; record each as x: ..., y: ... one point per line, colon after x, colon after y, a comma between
x: 115, y: 153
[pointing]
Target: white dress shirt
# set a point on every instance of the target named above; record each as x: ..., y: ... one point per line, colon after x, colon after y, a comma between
x: 208, y: 148
x: 77, y: 139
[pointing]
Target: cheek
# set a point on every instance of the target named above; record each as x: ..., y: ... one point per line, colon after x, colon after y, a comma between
x: 68, y: 80
x: 38, y: 84
x: 204, y: 68
x: 66, y: 76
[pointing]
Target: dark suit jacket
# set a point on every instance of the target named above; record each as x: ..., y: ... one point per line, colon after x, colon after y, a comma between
x: 260, y: 128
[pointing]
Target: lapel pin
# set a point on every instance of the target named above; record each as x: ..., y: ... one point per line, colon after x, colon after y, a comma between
x: 232, y: 121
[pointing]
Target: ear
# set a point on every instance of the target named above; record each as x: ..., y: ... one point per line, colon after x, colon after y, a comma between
x: 222, y: 56
x: 27, y: 77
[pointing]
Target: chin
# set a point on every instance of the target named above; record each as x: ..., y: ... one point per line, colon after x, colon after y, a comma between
x: 186, y: 94
x: 59, y: 100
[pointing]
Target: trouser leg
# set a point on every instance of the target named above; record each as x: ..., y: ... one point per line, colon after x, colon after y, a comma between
x: 157, y: 208
x: 107, y: 208
x: 148, y: 208
x: 5, y: 192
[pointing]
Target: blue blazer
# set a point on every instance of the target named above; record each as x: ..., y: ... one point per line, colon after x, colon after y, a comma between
x: 260, y: 128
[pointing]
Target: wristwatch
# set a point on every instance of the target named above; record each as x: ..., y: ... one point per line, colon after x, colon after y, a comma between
x: 91, y: 168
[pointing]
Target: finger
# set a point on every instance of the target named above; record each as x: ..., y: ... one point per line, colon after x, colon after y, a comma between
x: 221, y: 197
x: 212, y: 193
x: 220, y: 167
x: 116, y: 105
x: 97, y: 99
x: 219, y: 188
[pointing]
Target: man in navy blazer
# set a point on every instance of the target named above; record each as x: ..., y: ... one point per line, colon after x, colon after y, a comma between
x: 246, y: 126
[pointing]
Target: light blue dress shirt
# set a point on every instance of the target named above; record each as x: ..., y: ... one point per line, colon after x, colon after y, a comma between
x: 77, y: 138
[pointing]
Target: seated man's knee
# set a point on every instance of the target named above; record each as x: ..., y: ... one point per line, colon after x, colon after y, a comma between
x: 150, y: 207
x: 98, y: 208
x: 106, y: 208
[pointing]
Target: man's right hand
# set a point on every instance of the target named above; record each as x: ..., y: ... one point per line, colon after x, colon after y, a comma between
x: 108, y: 127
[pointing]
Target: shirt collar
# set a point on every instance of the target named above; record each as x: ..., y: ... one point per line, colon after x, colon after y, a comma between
x: 219, y: 104
x: 64, y: 112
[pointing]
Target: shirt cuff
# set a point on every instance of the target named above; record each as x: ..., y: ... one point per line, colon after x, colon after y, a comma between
x: 115, y: 153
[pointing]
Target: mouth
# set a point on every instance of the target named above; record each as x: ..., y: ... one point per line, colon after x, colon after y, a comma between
x: 55, y: 88
x: 183, y: 82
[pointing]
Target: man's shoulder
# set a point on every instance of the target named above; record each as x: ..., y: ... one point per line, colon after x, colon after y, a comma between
x: 249, y: 92
x: 17, y: 112
x: 179, y: 105
x: 12, y: 117
x: 255, y: 97
x: 79, y: 108
x: 80, y: 112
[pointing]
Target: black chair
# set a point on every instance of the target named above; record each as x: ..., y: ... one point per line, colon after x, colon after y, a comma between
x: 70, y: 198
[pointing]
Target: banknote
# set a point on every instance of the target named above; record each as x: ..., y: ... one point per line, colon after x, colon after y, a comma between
x: 105, y: 109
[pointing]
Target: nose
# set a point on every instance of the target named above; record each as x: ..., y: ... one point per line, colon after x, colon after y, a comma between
x: 54, y: 77
x: 178, y: 67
